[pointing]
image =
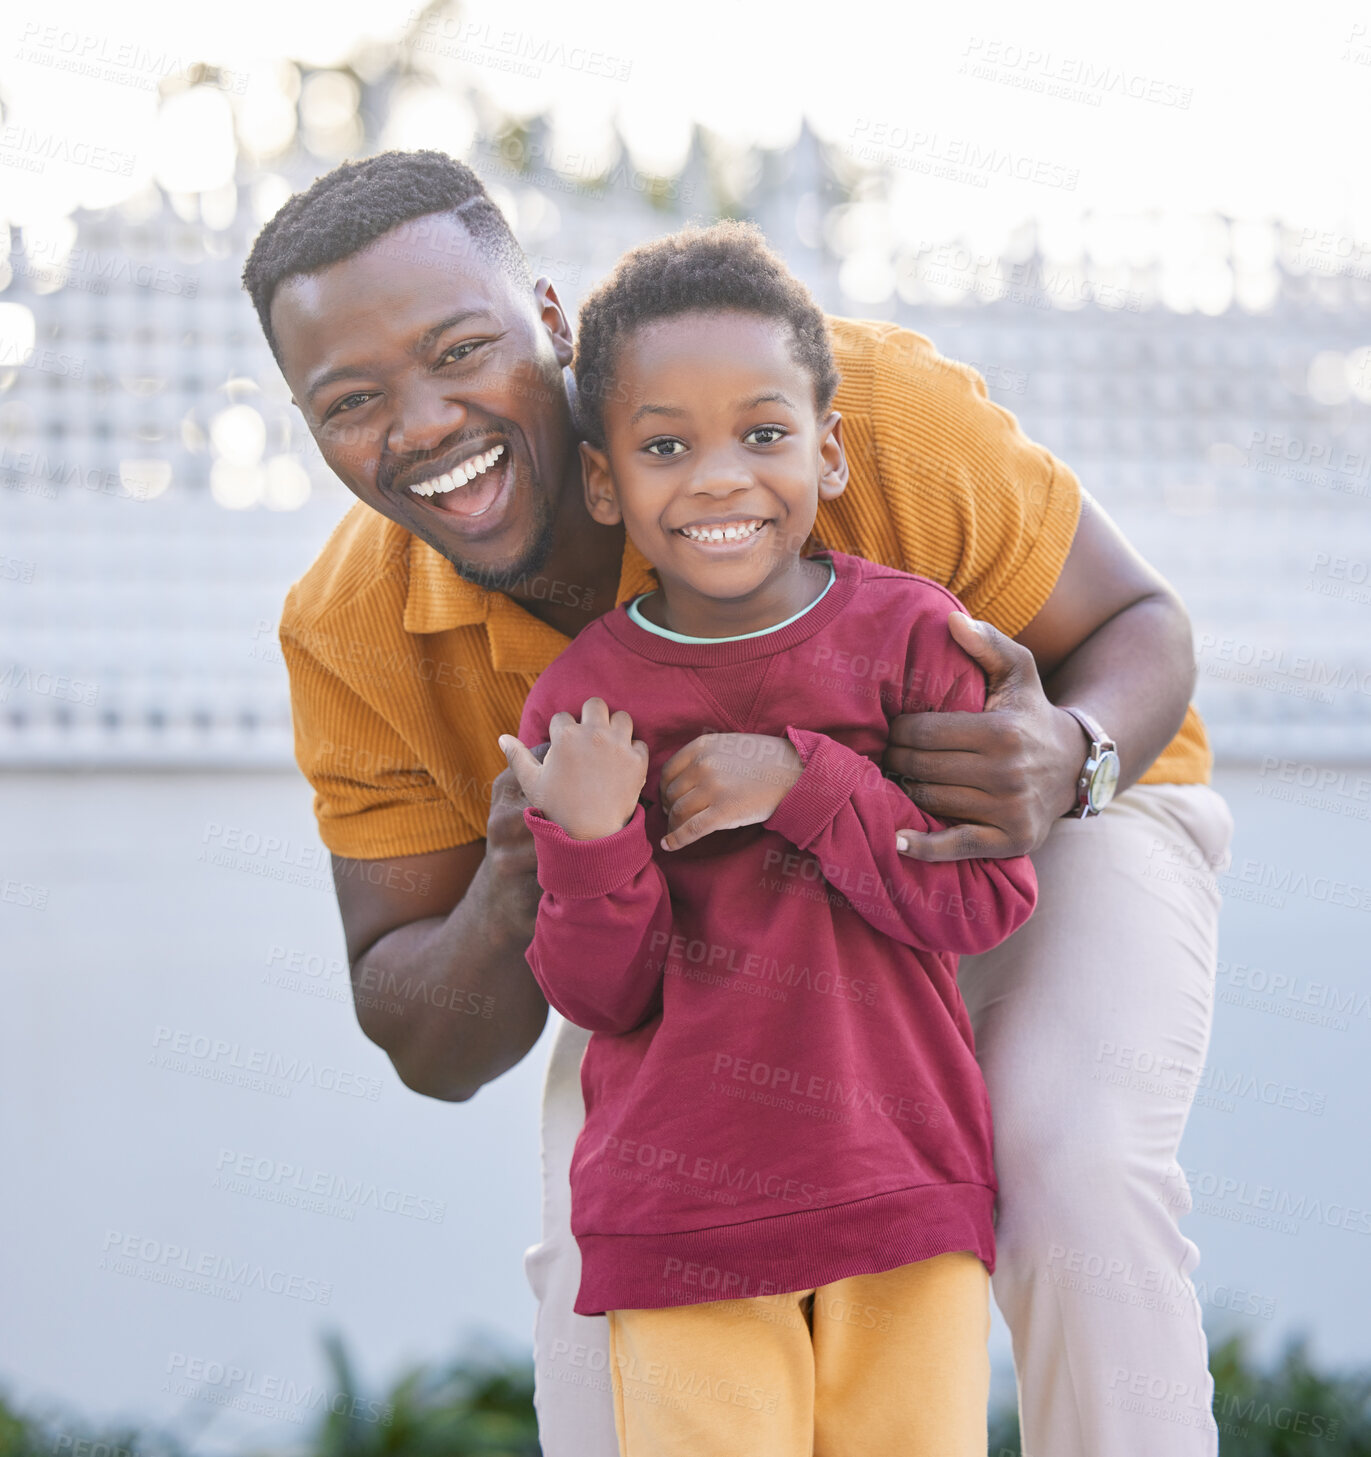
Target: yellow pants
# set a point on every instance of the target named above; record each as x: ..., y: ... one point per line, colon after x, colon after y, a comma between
x: 888, y: 1365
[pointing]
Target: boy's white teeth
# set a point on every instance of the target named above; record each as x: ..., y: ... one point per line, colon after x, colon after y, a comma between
x: 734, y: 531
x: 459, y: 475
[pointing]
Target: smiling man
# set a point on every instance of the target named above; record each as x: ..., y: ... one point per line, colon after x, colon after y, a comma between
x: 432, y: 370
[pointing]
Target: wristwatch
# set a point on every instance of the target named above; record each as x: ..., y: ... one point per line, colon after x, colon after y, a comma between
x: 1100, y: 776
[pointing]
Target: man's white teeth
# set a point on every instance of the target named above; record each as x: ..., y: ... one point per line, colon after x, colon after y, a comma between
x: 734, y: 531
x: 459, y: 475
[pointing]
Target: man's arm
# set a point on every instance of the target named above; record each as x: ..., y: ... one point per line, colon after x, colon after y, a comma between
x: 443, y: 957
x: 1112, y: 638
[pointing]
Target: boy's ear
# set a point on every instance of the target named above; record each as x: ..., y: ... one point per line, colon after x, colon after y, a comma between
x: 601, y: 501
x: 832, y: 457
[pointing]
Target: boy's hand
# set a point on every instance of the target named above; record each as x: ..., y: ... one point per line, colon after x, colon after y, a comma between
x: 591, y: 775
x: 721, y: 781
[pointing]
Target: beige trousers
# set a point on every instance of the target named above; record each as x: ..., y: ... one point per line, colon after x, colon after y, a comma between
x: 1114, y: 971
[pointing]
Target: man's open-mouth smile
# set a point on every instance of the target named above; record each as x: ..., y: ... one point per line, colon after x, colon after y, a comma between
x: 473, y: 487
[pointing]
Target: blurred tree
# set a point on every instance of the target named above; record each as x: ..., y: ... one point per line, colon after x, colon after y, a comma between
x: 481, y: 1406
x: 470, y: 1407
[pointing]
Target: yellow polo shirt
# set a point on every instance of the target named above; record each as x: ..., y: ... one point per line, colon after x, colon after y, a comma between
x: 402, y: 674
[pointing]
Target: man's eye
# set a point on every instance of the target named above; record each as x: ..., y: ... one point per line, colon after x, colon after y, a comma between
x: 667, y: 447
x: 348, y: 402
x: 773, y: 432
x: 458, y: 352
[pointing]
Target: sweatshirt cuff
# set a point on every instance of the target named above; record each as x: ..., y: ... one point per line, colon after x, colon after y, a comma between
x: 583, y: 869
x: 831, y: 772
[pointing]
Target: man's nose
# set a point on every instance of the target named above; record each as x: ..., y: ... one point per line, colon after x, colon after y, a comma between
x: 423, y: 419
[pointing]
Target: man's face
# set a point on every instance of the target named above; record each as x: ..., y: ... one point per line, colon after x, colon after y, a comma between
x: 419, y: 362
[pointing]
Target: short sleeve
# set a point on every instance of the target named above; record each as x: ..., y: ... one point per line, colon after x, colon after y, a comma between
x: 371, y: 799
x: 976, y: 505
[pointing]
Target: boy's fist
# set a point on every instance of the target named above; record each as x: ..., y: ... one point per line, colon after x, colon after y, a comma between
x: 591, y: 775
x: 722, y: 781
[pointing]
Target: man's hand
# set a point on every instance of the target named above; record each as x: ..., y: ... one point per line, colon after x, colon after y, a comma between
x: 721, y: 781
x: 592, y: 774
x: 510, y: 851
x: 1010, y: 771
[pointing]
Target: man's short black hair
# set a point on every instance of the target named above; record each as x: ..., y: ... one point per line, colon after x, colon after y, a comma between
x: 347, y: 209
x: 727, y: 265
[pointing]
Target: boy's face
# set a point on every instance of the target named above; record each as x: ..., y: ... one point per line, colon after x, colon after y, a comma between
x: 715, y: 459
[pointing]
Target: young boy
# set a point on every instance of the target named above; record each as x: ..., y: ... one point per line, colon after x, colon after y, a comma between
x: 783, y: 1191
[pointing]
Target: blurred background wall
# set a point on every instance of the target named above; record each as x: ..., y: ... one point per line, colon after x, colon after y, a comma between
x: 1153, y: 239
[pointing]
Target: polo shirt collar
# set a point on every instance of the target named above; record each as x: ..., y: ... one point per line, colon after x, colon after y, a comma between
x: 438, y: 600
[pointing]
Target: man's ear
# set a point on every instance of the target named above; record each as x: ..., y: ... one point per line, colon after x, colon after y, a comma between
x: 832, y: 457
x: 553, y: 318
x: 601, y: 501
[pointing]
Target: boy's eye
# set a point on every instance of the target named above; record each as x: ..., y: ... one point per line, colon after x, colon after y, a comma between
x: 664, y: 447
x: 772, y: 432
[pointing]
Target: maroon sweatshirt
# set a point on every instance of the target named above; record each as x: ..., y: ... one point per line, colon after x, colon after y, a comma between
x: 781, y: 1089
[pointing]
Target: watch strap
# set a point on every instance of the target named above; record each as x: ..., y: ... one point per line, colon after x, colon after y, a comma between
x: 1100, y: 743
x: 1098, y: 737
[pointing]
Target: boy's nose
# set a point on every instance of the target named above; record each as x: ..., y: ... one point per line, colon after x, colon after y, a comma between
x: 721, y: 475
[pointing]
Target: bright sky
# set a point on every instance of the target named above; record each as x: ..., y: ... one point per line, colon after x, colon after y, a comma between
x: 1259, y: 115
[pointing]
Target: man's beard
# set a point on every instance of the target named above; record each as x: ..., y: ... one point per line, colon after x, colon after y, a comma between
x: 506, y: 576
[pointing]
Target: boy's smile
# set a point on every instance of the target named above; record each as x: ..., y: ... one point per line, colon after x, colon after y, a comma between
x: 715, y: 461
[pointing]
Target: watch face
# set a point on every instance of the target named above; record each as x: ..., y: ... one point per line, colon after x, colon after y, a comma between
x: 1104, y: 780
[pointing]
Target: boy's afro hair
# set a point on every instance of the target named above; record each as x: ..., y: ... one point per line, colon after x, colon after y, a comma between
x: 726, y: 265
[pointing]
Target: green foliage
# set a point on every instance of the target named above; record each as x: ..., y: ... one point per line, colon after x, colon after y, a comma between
x: 467, y: 1408
x: 483, y: 1407
x: 1004, y: 1433
x: 1286, y: 1410
x: 1290, y: 1410
x: 27, y: 1435
x: 17, y: 1436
